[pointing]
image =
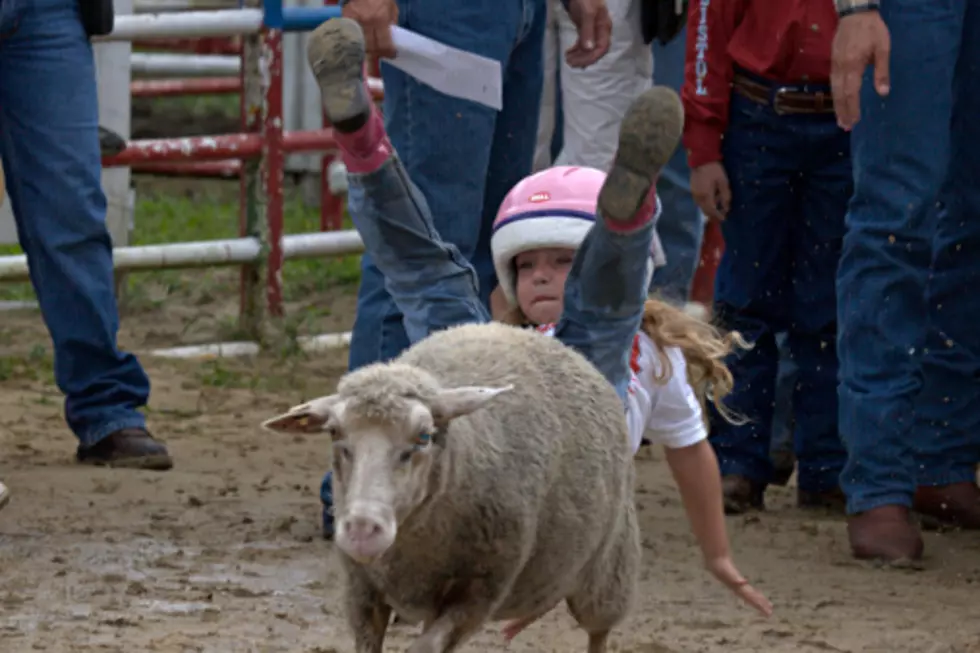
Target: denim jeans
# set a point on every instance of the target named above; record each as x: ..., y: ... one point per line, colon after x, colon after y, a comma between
x: 682, y: 226
x: 463, y: 156
x: 49, y: 142
x: 782, y: 417
x: 436, y: 287
x: 791, y: 178
x: 909, y: 346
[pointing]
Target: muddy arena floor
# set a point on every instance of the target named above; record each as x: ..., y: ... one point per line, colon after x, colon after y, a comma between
x: 223, y: 555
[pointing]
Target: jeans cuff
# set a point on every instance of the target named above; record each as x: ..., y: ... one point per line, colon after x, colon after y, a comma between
x: 966, y: 474
x: 859, y: 504
x: 93, y: 437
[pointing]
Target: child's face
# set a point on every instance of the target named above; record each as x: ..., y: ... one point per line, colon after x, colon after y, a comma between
x: 541, y: 275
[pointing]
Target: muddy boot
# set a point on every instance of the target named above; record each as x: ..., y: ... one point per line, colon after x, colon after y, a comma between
x: 335, y: 53
x: 130, y: 448
x: 4, y: 495
x: 953, y: 506
x: 648, y: 137
x: 885, y: 534
x: 742, y: 494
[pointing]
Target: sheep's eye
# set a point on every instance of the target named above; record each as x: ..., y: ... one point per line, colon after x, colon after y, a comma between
x: 423, y: 440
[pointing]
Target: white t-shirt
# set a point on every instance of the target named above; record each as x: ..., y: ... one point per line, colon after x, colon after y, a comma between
x: 666, y: 413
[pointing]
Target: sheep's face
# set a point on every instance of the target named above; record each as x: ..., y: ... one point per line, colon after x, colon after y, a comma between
x: 385, y: 448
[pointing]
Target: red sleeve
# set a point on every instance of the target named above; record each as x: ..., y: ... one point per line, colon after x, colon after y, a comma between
x: 708, y: 76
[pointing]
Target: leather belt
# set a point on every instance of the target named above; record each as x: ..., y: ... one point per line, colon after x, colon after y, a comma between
x: 784, y: 99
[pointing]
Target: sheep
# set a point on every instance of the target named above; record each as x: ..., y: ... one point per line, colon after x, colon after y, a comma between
x: 483, y: 475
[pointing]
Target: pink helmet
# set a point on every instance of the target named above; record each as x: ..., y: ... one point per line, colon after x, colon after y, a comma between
x: 555, y: 207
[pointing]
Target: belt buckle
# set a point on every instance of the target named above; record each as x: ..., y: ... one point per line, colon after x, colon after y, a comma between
x: 777, y: 94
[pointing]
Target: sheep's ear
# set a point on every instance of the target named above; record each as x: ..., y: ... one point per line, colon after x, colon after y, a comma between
x: 450, y: 404
x: 310, y: 417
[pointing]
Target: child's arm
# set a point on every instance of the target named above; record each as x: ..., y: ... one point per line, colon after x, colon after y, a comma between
x: 695, y: 470
x: 676, y: 421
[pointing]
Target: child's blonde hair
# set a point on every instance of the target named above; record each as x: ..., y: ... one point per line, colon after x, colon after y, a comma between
x: 703, y: 345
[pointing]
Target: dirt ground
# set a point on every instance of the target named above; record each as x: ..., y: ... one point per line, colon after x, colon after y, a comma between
x: 222, y: 553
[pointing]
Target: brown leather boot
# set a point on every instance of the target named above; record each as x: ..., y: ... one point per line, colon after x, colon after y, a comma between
x: 132, y: 448
x: 885, y: 533
x: 742, y: 494
x: 956, y: 505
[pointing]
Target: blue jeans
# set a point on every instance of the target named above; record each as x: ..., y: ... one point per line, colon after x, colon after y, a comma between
x: 909, y: 346
x: 49, y: 143
x: 436, y: 287
x: 782, y: 417
x: 682, y: 226
x: 463, y: 156
x: 791, y: 178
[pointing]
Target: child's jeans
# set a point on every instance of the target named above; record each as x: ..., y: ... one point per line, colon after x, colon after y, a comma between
x: 436, y: 288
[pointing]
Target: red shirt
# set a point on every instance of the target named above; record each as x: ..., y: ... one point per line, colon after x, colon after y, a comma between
x: 782, y: 40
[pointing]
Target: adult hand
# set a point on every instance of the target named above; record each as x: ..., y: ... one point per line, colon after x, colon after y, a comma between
x: 591, y: 17
x: 376, y: 18
x: 724, y: 570
x: 709, y: 186
x: 862, y: 39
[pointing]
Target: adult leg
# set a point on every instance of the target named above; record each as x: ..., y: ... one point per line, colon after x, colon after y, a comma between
x: 752, y: 293
x: 444, y: 143
x: 681, y: 227
x: 549, y: 91
x: 900, y: 153
x: 432, y: 284
x: 781, y: 444
x: 607, y: 286
x: 49, y: 142
x: 595, y: 99
x: 947, y: 421
x: 515, y: 130
x: 812, y: 333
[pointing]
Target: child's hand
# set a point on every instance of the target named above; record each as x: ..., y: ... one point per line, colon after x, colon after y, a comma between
x: 725, y: 571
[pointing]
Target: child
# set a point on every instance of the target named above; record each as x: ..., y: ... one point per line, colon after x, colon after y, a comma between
x: 574, y: 255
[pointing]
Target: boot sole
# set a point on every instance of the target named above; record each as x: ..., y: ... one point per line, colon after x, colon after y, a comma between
x: 154, y: 462
x: 648, y: 137
x: 335, y: 53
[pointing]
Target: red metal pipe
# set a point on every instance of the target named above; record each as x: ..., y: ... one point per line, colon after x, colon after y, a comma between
x: 273, y: 162
x: 712, y: 247
x: 227, y: 169
x: 192, y: 86
x: 217, y: 148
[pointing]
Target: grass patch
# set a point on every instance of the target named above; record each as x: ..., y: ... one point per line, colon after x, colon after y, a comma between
x: 191, y: 210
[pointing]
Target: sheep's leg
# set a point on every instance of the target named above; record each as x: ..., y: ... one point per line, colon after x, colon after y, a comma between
x: 367, y: 614
x: 608, y: 587
x: 514, y: 628
x: 466, y: 607
x: 451, y: 629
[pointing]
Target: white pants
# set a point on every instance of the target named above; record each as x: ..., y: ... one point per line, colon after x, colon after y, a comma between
x: 594, y: 99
